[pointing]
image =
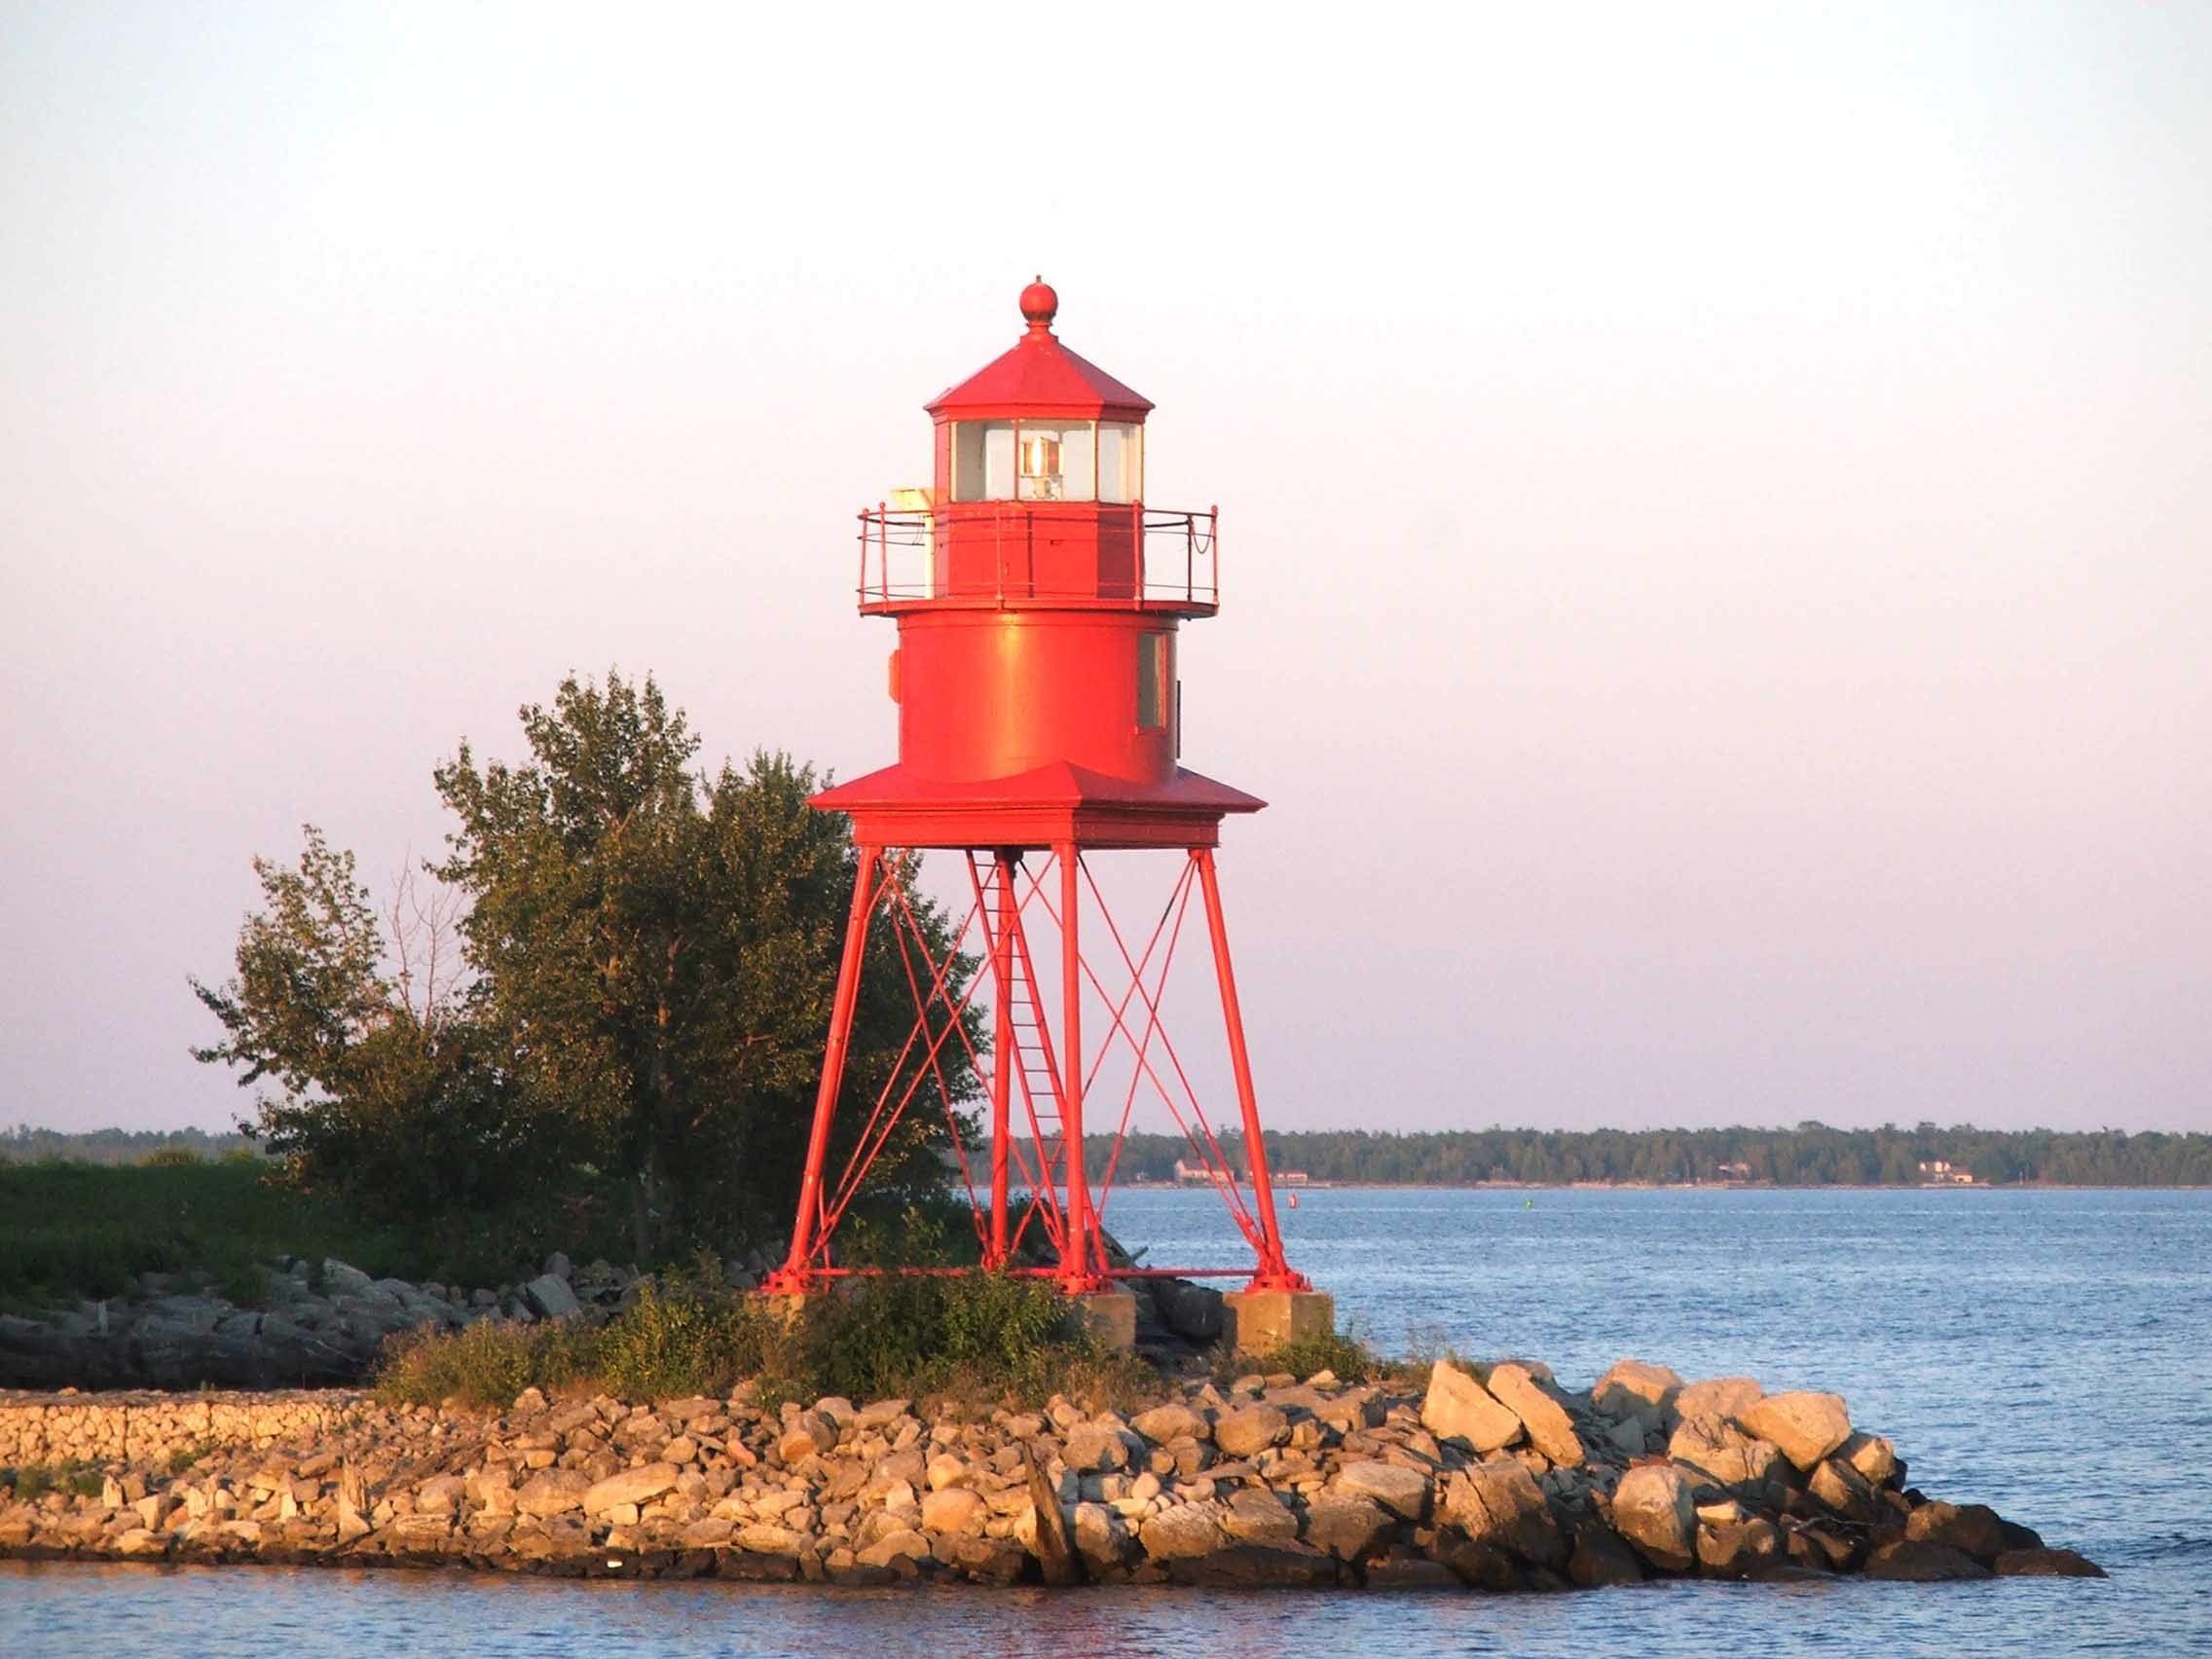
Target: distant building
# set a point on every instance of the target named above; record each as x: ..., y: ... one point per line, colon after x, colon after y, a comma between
x: 1737, y: 1171
x: 1939, y: 1172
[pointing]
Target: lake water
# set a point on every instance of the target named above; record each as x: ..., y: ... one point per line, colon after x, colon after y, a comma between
x: 2049, y: 1354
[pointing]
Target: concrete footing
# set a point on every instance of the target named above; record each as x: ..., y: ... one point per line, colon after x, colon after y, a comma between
x: 1260, y: 1321
x: 1108, y: 1316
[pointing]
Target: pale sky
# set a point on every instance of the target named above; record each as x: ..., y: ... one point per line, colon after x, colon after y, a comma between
x: 1717, y: 503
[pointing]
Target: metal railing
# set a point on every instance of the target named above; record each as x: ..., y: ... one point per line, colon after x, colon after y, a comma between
x: 1023, y: 552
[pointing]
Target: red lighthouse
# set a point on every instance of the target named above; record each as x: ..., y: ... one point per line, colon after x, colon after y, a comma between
x: 1039, y: 602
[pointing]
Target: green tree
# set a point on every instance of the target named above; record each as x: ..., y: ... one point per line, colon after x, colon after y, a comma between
x: 384, y: 1088
x: 658, y: 952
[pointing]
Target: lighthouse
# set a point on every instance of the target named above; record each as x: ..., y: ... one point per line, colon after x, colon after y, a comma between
x: 1039, y: 602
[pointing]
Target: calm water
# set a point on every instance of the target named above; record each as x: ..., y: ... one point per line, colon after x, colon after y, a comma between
x: 2046, y: 1352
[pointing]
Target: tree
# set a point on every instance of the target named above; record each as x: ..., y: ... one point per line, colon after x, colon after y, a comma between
x: 658, y: 952
x: 385, y: 1088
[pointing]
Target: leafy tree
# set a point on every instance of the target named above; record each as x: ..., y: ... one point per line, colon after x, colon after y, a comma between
x: 658, y: 952
x: 384, y: 1089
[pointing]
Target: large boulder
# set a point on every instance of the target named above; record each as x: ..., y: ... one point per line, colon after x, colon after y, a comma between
x: 2046, y: 1564
x: 1872, y: 1456
x: 1550, y: 1431
x: 1973, y: 1528
x: 1172, y: 1422
x: 1255, y: 1514
x: 1255, y: 1428
x: 1182, y: 1531
x: 632, y: 1486
x: 1601, y: 1558
x: 1499, y: 1502
x: 553, y: 1492
x: 1092, y: 1449
x: 955, y: 1510
x: 1920, y: 1561
x: 1633, y: 1389
x: 1807, y: 1426
x: 1654, y: 1510
x: 550, y: 1298
x: 1717, y: 1396
x: 1716, y: 1450
x: 1403, y: 1492
x: 1738, y: 1549
x: 1350, y: 1529
x: 1460, y: 1408
x: 1191, y: 1311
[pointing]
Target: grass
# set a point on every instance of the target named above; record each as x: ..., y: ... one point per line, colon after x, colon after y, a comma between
x: 72, y: 1229
x: 984, y: 1338
x: 33, y: 1481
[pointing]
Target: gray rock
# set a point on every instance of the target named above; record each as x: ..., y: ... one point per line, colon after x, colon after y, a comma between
x: 1255, y: 1428
x: 1183, y: 1529
x: 557, y: 1267
x: 1403, y: 1492
x: 1172, y: 1422
x: 1550, y: 1431
x: 1719, y: 1396
x: 1806, y: 1426
x: 1653, y: 1510
x: 1499, y: 1502
x: 1920, y: 1561
x: 631, y: 1486
x: 338, y: 1277
x: 1633, y: 1388
x: 1191, y: 1311
x: 1601, y: 1558
x: 1254, y: 1515
x: 1350, y: 1529
x: 551, y: 1296
x: 2046, y: 1564
x: 1460, y: 1408
x: 1091, y: 1448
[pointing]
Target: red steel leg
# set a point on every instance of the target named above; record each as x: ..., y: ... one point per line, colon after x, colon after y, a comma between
x: 1274, y: 1271
x: 1003, y: 1055
x: 1076, y: 1271
x: 794, y: 1274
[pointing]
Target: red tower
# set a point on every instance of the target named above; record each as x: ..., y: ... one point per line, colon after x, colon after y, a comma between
x: 1037, y: 601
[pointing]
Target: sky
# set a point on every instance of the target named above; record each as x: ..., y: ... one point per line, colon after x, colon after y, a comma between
x: 1716, y: 502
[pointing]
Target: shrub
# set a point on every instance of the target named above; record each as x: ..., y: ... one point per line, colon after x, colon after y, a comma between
x: 985, y: 1336
x: 171, y: 1158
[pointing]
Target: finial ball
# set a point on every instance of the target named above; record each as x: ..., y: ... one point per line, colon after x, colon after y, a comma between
x: 1038, y: 304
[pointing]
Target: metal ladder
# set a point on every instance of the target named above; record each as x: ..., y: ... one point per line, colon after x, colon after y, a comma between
x: 1035, y: 1069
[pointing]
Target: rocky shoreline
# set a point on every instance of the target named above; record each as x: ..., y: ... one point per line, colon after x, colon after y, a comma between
x: 1491, y: 1477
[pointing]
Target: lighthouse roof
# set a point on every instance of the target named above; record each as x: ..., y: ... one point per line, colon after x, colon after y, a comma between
x: 1039, y: 376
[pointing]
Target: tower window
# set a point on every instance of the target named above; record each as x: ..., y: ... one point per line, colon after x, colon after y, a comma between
x: 1152, y: 681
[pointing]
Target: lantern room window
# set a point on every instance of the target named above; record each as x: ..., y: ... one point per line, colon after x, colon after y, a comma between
x: 1046, y: 460
x: 1121, y: 461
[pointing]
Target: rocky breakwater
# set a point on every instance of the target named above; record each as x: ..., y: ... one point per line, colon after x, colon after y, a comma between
x: 1491, y: 1477
x: 313, y: 1323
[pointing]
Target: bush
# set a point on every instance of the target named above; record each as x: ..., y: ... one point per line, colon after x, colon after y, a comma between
x: 985, y: 1336
x: 34, y: 1481
x: 171, y: 1158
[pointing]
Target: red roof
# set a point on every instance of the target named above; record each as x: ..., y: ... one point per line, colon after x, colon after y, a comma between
x: 1058, y: 782
x: 1040, y: 376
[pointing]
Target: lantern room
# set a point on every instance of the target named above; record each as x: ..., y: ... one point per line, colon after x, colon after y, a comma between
x: 1037, y: 494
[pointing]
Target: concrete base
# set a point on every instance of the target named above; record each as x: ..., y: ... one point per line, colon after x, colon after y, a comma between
x: 1108, y: 1316
x: 1260, y: 1321
x: 785, y: 1306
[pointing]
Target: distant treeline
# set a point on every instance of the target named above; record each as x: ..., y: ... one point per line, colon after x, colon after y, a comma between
x: 23, y: 1144
x: 1811, y: 1155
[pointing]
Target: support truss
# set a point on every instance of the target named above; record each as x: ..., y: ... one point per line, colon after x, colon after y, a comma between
x: 1037, y: 1074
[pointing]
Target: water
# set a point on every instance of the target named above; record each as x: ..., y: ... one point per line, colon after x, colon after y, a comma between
x: 2046, y: 1352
